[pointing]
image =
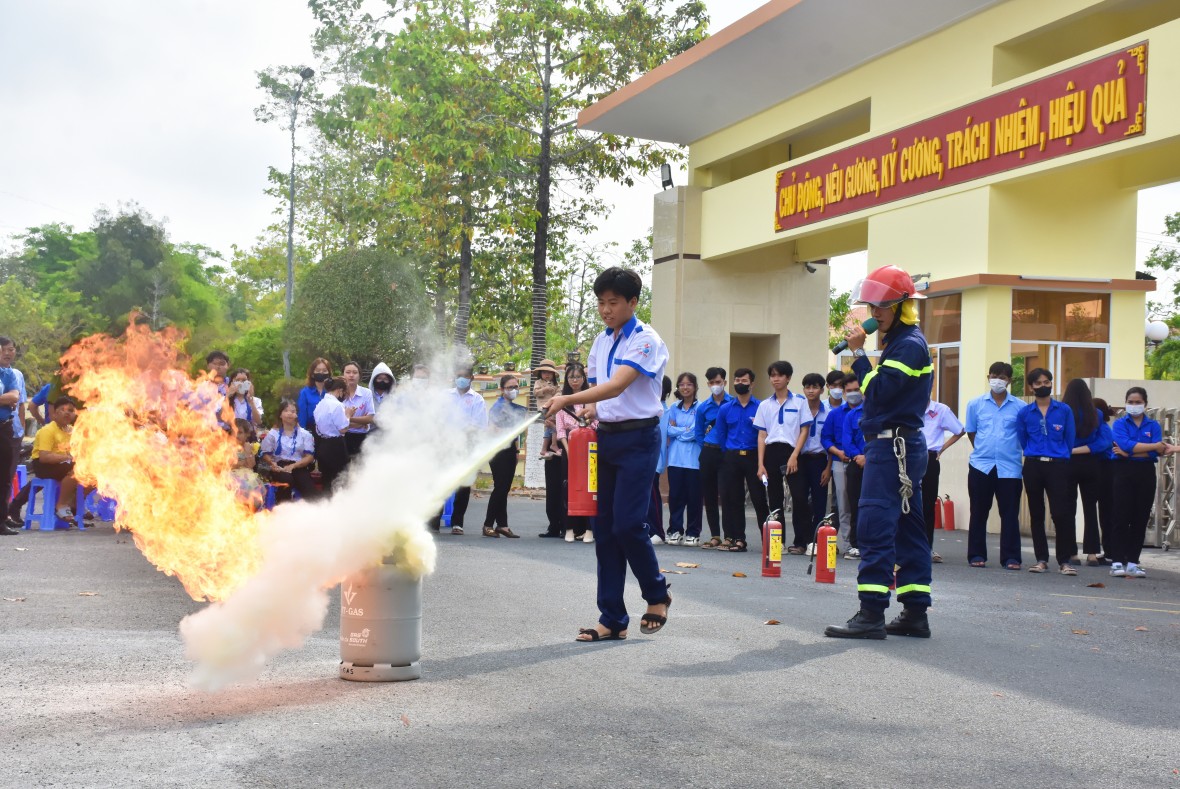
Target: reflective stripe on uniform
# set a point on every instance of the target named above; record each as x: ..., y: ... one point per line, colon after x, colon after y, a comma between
x: 872, y: 588
x: 869, y: 378
x: 905, y: 368
x: 912, y: 588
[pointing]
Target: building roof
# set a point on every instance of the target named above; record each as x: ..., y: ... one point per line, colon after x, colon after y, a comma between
x: 774, y: 53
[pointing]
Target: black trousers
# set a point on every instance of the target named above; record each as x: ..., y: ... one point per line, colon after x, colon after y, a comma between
x: 1052, y: 479
x: 854, y: 477
x: 774, y: 460
x: 807, y: 497
x: 1105, y: 506
x: 556, y: 472
x: 295, y: 479
x: 711, y: 458
x: 930, y: 493
x: 1085, y: 477
x: 739, y: 473
x: 332, y: 458
x: 6, y: 460
x: 982, y: 489
x: 354, y: 441
x: 1135, y: 482
x: 503, y: 471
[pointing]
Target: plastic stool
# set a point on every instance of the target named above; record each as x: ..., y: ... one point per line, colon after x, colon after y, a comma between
x: 102, y: 507
x: 269, y: 501
x: 46, y: 519
x: 19, y: 480
x: 448, y: 511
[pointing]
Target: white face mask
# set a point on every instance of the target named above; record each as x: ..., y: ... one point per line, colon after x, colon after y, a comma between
x: 418, y: 383
x: 854, y: 398
x: 1136, y: 409
x: 717, y: 390
x: 997, y: 384
x: 244, y: 387
x: 510, y: 394
x: 836, y: 394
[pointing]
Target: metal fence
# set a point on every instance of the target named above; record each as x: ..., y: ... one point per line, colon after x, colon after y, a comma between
x: 1161, y: 528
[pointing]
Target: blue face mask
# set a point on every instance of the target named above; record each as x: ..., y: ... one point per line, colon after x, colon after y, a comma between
x: 462, y: 383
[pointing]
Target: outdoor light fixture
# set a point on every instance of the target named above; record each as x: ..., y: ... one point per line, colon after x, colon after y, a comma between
x: 1156, y: 332
x: 811, y: 264
x: 666, y: 175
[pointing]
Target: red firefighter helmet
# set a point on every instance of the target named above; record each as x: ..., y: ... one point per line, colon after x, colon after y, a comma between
x: 885, y: 287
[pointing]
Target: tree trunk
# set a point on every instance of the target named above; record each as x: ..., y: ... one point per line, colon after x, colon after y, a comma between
x: 440, y: 304
x: 463, y: 311
x: 541, y: 233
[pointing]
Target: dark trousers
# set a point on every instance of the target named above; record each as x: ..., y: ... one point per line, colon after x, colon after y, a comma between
x: 16, y: 447
x: 774, y: 460
x: 626, y: 465
x: 710, y: 486
x: 739, y: 472
x: 332, y: 458
x: 981, y: 489
x: 353, y: 441
x: 930, y: 493
x: 6, y: 460
x: 1105, y: 506
x: 299, y: 479
x: 684, y: 501
x: 503, y: 465
x: 854, y: 479
x: 1085, y: 477
x: 556, y: 470
x: 55, y: 471
x: 655, y: 509
x: 887, y: 535
x: 1052, y: 479
x: 808, y: 497
x: 1135, y: 482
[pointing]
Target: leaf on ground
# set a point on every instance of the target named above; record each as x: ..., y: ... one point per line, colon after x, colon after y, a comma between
x: 998, y: 695
x: 772, y: 622
x: 690, y: 565
x: 14, y: 599
x: 739, y: 575
x: 405, y: 721
x: 1141, y: 629
x: 1067, y: 613
x: 1080, y: 632
x: 1094, y: 649
x: 1098, y: 585
x: 20, y: 549
x: 674, y: 572
x: 87, y: 594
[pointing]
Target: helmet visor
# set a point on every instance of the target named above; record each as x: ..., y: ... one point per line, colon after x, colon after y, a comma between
x: 868, y: 291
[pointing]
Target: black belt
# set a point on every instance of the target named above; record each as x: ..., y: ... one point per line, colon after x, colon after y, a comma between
x: 894, y: 432
x: 1044, y: 459
x: 627, y: 425
x: 711, y: 446
x: 741, y: 452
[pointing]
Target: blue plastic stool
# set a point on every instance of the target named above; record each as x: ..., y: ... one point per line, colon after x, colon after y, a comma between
x: 102, y: 507
x: 47, y: 519
x: 269, y: 501
x: 19, y: 480
x: 448, y: 511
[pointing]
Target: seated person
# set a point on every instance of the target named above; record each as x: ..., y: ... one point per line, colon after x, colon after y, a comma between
x: 288, y: 453
x: 52, y: 460
x: 249, y: 483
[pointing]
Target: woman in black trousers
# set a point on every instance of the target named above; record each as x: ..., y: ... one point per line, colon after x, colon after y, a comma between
x: 1086, y: 464
x: 504, y: 415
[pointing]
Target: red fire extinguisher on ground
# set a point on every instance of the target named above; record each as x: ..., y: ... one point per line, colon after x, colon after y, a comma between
x: 948, y: 513
x: 582, y: 490
x: 825, y: 548
x: 937, y: 512
x: 772, y: 546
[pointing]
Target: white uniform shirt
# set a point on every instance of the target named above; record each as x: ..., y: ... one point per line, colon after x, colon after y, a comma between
x: 780, y: 421
x: 635, y: 345
x: 472, y: 408
x: 937, y: 421
x: 362, y: 401
x: 330, y: 419
x: 814, y: 424
x: 287, y: 446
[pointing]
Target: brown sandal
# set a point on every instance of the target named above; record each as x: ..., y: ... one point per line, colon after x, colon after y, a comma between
x: 711, y: 544
x: 488, y: 531
x: 507, y: 532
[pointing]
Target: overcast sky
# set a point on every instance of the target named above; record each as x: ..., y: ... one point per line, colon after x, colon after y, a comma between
x: 109, y: 101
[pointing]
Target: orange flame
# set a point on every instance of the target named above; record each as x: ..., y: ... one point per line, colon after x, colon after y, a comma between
x: 148, y: 436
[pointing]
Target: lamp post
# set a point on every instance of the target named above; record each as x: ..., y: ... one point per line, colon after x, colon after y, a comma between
x: 1156, y: 332
x: 304, y: 75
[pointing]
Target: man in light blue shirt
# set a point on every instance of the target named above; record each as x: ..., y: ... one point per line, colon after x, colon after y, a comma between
x: 7, y: 357
x: 995, y: 468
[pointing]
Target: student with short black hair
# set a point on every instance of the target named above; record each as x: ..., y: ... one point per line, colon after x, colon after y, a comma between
x: 1045, y: 430
x: 217, y: 363
x: 684, y: 475
x: 711, y: 451
x: 777, y: 421
x: 738, y: 438
x: 809, y: 484
x: 994, y: 469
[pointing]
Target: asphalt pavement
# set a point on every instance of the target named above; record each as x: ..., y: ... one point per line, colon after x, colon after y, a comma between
x: 1029, y: 680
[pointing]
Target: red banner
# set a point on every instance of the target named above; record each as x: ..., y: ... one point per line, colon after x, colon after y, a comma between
x: 1096, y: 103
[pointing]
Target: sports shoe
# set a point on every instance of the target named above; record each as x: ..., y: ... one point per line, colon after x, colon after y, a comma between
x: 588, y: 536
x: 1135, y: 571
x: 65, y: 513
x: 657, y: 539
x: 852, y: 553
x: 692, y: 542
x: 1117, y: 570
x: 7, y: 530
x: 936, y: 557
x: 676, y: 538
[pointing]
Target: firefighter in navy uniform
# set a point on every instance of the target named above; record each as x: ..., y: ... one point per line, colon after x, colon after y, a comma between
x: 890, y: 527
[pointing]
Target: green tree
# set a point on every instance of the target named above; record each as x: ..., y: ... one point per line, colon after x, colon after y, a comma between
x: 31, y: 323
x: 365, y: 305
x: 839, y: 308
x: 1164, y: 259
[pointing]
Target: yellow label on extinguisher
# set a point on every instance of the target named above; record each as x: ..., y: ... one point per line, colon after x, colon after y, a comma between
x: 831, y: 554
x: 776, y: 545
x: 592, y: 467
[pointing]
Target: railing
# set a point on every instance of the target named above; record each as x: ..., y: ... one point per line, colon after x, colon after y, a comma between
x: 1162, y: 524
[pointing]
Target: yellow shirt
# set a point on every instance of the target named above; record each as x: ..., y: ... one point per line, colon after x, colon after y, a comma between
x: 51, y: 438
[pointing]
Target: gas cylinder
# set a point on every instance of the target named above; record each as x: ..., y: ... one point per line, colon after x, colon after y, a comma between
x: 583, y: 472
x: 380, y: 625
x: 772, y: 546
x: 825, y: 549
x: 948, y: 513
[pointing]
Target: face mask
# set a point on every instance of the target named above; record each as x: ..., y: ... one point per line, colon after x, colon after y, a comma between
x: 418, y: 383
x: 320, y: 377
x: 1136, y: 409
x: 244, y: 387
x: 462, y: 383
x: 854, y: 398
x: 1042, y: 391
x: 741, y: 388
x: 382, y: 385
x: 997, y: 384
x: 717, y: 390
x: 836, y: 394
x: 510, y: 394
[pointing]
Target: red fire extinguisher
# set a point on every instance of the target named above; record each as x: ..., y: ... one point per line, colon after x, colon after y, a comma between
x: 772, y: 546
x: 937, y: 512
x: 948, y: 513
x: 825, y: 548
x: 583, y: 471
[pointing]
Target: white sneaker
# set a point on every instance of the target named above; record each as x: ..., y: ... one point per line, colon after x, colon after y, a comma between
x: 65, y: 513
x: 1117, y: 570
x: 569, y: 535
x: 692, y: 542
x: 675, y: 538
x: 657, y: 539
x: 810, y: 549
x: 1135, y: 571
x: 588, y: 536
x: 852, y: 553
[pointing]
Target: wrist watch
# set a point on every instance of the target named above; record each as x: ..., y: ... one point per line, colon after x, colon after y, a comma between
x: 858, y: 353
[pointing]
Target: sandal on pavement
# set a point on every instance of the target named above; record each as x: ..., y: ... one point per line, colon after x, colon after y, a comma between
x: 654, y: 623
x: 594, y: 635
x: 457, y: 530
x: 507, y: 532
x: 977, y: 562
x: 936, y: 558
x: 488, y: 531
x: 739, y: 546
x: 1012, y: 566
x: 1068, y: 570
x: 725, y: 544
x: 1039, y: 567
x: 713, y: 542
x: 796, y: 550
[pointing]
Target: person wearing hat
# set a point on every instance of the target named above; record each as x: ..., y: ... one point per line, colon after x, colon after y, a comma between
x: 890, y: 527
x: 545, y: 386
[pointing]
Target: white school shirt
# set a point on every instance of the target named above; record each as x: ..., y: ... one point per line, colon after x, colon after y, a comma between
x: 285, y: 447
x: 471, y: 408
x: 780, y: 421
x: 937, y: 421
x: 330, y: 419
x: 636, y: 345
x: 362, y: 401
x: 816, y: 425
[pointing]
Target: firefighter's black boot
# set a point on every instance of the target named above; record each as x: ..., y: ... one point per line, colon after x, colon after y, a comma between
x: 910, y: 622
x: 866, y: 624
